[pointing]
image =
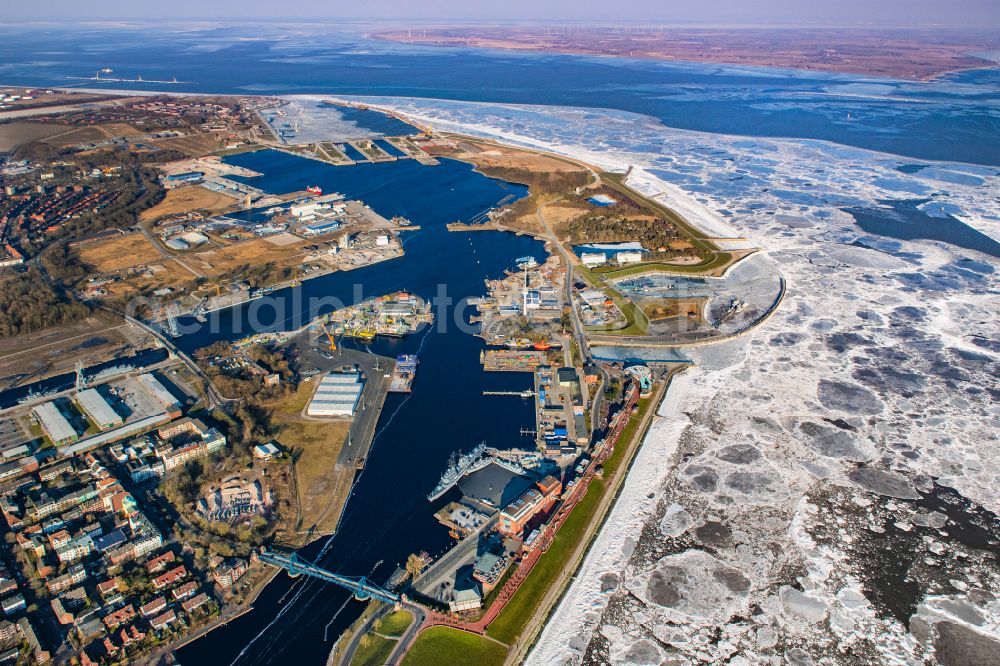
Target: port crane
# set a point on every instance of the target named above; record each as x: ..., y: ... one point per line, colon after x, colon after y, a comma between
x: 362, y: 588
x: 329, y: 336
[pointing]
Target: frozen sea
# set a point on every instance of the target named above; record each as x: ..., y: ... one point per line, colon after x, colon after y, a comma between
x: 831, y: 480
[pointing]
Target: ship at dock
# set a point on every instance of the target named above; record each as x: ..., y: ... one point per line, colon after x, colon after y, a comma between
x: 403, y: 374
x: 34, y: 395
x: 471, y: 462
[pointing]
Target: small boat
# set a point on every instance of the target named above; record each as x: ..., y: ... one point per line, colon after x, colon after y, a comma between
x: 542, y: 346
x: 314, y: 189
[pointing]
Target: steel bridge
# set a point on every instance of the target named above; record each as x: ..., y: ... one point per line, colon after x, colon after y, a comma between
x: 362, y: 588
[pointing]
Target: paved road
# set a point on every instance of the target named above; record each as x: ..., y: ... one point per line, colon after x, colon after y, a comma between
x: 579, y: 333
x: 377, y: 371
x: 215, y: 399
x: 419, y: 615
x: 519, y: 650
x: 429, y: 580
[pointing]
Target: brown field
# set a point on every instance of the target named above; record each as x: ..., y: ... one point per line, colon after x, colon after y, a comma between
x: 516, y: 159
x: 93, y: 133
x: 187, y: 199
x: 664, y: 308
x: 168, y: 273
x: 283, y: 239
x: 79, y: 135
x: 557, y: 213
x: 122, y: 129
x: 117, y: 253
x: 194, y: 145
x: 322, y: 488
x: 255, y: 252
x: 915, y: 53
x: 16, y: 133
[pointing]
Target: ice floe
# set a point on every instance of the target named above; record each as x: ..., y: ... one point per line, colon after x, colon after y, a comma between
x: 824, y: 488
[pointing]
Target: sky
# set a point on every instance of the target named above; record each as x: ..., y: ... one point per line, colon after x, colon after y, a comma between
x: 974, y: 13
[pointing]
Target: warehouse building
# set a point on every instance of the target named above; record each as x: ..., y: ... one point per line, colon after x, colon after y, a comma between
x: 98, y: 409
x: 337, y: 395
x: 160, y: 392
x: 54, y: 424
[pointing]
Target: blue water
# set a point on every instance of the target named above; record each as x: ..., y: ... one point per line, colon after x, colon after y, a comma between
x: 352, y: 152
x: 908, y: 222
x: 389, y: 148
x: 953, y: 118
x: 388, y: 516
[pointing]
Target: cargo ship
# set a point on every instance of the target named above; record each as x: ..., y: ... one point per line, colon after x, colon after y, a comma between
x: 403, y: 374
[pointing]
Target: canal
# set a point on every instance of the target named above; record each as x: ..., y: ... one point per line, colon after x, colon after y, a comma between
x: 387, y: 516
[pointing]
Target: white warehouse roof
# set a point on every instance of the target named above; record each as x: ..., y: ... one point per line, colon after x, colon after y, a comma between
x: 98, y: 409
x: 336, y: 395
x: 159, y: 391
x: 54, y: 423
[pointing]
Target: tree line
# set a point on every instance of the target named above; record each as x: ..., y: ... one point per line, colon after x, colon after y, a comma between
x: 30, y: 304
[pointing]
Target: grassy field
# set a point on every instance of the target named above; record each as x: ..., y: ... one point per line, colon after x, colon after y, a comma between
x: 442, y: 645
x: 395, y: 623
x: 509, y: 624
x: 373, y: 652
x: 714, y: 263
x: 636, y: 321
x: 515, y: 615
x: 322, y: 488
x: 117, y: 253
x: 187, y: 199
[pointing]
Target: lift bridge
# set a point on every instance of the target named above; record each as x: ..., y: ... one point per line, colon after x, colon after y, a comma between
x: 362, y: 588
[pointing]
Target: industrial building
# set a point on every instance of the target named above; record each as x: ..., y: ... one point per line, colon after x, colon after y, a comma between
x: 160, y: 392
x: 54, y: 424
x: 97, y: 408
x: 629, y: 257
x: 321, y: 228
x: 186, y: 177
x: 337, y: 395
x: 517, y: 515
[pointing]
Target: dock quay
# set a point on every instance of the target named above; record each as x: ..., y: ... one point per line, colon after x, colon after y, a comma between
x: 472, y: 226
x: 372, y: 151
x: 527, y: 393
x: 511, y: 360
x: 393, y: 315
x: 468, y: 463
x: 403, y: 374
x: 376, y: 371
